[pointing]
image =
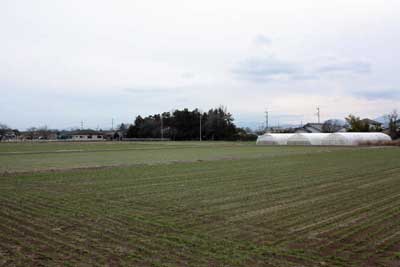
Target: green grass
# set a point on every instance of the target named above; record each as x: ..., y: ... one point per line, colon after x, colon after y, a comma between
x: 44, y: 156
x: 192, y: 204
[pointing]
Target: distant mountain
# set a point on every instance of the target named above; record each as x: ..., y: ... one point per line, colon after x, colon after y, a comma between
x: 382, y: 120
x: 249, y: 124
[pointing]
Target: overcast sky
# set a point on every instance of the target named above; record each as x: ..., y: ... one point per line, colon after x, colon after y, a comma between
x: 62, y: 62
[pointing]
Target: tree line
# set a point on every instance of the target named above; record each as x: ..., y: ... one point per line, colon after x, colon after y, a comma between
x: 185, y: 124
x: 358, y: 125
x: 215, y: 124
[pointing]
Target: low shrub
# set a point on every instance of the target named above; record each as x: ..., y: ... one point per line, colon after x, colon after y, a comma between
x: 381, y: 143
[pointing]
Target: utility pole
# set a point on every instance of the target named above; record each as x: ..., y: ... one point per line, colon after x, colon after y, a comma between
x: 266, y: 120
x: 81, y: 125
x: 318, y: 114
x: 162, y: 130
x: 200, y: 128
x: 112, y: 124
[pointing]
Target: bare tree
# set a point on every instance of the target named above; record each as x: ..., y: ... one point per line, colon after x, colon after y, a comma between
x: 3, y: 130
x: 43, y: 132
x: 331, y: 126
x: 3, y: 127
x: 393, y: 123
x: 31, y: 132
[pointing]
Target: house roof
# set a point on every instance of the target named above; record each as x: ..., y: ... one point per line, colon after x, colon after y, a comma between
x: 371, y: 122
x: 317, y: 126
x: 86, y: 132
x: 300, y: 130
x: 313, y: 128
x: 310, y: 128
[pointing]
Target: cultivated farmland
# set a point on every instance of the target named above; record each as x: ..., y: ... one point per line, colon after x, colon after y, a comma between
x: 198, y: 204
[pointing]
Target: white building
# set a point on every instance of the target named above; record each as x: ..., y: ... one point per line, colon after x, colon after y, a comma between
x: 86, y: 135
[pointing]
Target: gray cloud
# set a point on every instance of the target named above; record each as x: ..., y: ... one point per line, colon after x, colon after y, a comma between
x: 188, y: 75
x: 262, y: 40
x: 263, y: 69
x: 382, y: 95
x: 357, y: 67
x: 269, y: 68
x: 304, y: 76
x: 151, y: 91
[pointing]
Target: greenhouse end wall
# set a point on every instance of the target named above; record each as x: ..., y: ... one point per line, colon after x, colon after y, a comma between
x: 273, y: 139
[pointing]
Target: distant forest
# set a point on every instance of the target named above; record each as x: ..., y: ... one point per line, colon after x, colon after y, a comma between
x: 216, y: 124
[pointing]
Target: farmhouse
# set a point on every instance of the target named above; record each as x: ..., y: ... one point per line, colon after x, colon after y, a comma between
x: 9, y: 135
x: 373, y: 125
x: 86, y: 135
x: 310, y: 128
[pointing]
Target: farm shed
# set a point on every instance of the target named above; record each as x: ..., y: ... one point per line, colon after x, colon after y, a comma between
x: 273, y: 139
x: 86, y: 135
x: 307, y: 139
x: 354, y: 139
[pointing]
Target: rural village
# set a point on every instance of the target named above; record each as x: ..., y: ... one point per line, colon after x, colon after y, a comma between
x: 117, y: 147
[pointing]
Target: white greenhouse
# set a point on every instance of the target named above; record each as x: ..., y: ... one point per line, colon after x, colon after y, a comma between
x: 354, y: 139
x: 324, y: 139
x: 273, y: 139
x: 307, y: 139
